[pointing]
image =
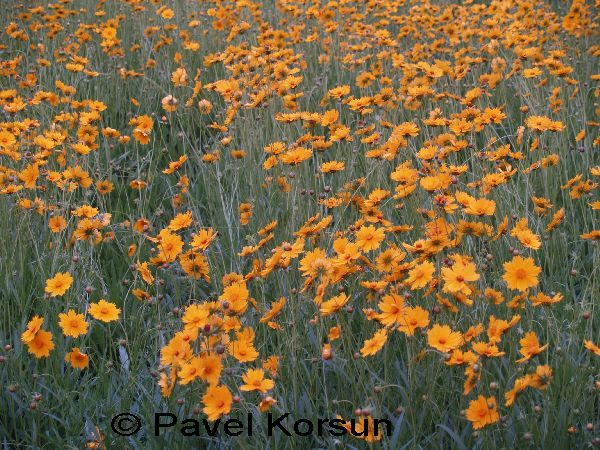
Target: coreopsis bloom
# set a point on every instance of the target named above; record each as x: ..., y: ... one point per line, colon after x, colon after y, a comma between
x: 266, y: 403
x: 217, y: 402
x: 443, y: 339
x: 481, y: 207
x: 210, y: 368
x: 334, y: 304
x: 195, y: 316
x: 245, y: 210
x: 242, y: 348
x: 33, y: 327
x: 57, y: 224
x: 254, y: 380
x: 169, y: 103
x: 104, y: 187
x: 144, y: 272
x: 7, y: 139
x: 373, y: 345
x: 235, y: 297
x: 487, y: 349
x: 169, y: 245
x: 327, y: 352
x: 143, y: 127
x: 296, y: 156
x: 72, y: 323
x: 457, y: 277
x: 542, y: 377
x: 203, y: 238
x: 542, y: 299
x: 482, y: 412
x: 104, y: 311
x: 41, y: 344
x: 167, y: 382
x: 272, y: 365
x: 176, y: 352
x: 369, y: 238
x: 207, y: 368
x: 175, y: 165
x: 315, y: 263
x: 59, y: 284
x: 591, y: 347
x: 420, y: 275
x: 180, y: 221
x: 392, y: 309
x: 179, y: 77
x: 413, y: 318
x: 497, y: 327
x: 530, y: 346
x: 332, y: 166
x: 521, y: 273
x: 204, y: 106
x: 195, y: 265
x: 275, y: 309
x: 77, y: 359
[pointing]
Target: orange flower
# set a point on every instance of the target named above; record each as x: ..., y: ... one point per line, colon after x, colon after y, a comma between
x: 392, y: 309
x: 521, y: 273
x: 369, y: 238
x: 332, y: 166
x: 242, y: 348
x: 169, y: 245
x: 296, y: 156
x: 72, y: 324
x: 57, y: 224
x: 59, y: 284
x: 169, y: 103
x: 482, y: 412
x: 443, y: 339
x: 374, y: 344
x: 457, y: 276
x: 203, y: 238
x: 77, y: 359
x: 104, y: 311
x: 144, y: 272
x: 420, y: 275
x: 33, y: 327
x: 235, y: 298
x: 190, y: 370
x: 592, y: 347
x: 333, y: 304
x: 210, y: 369
x: 41, y: 344
x: 412, y: 319
x: 254, y: 380
x: 217, y: 402
x: 530, y: 346
x: 180, y: 221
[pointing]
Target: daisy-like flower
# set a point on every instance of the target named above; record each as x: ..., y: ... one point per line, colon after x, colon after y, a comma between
x: 72, y: 323
x: 443, y: 339
x: 59, y: 284
x: 482, y: 412
x: 217, y: 402
x: 521, y: 273
x: 104, y: 311
x: 77, y: 359
x: 254, y: 380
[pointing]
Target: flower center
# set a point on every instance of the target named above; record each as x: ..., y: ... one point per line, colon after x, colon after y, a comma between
x: 521, y: 273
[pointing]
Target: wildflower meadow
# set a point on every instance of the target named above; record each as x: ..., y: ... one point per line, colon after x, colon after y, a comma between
x: 299, y: 224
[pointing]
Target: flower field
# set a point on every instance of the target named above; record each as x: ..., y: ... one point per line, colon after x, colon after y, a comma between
x: 348, y: 212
